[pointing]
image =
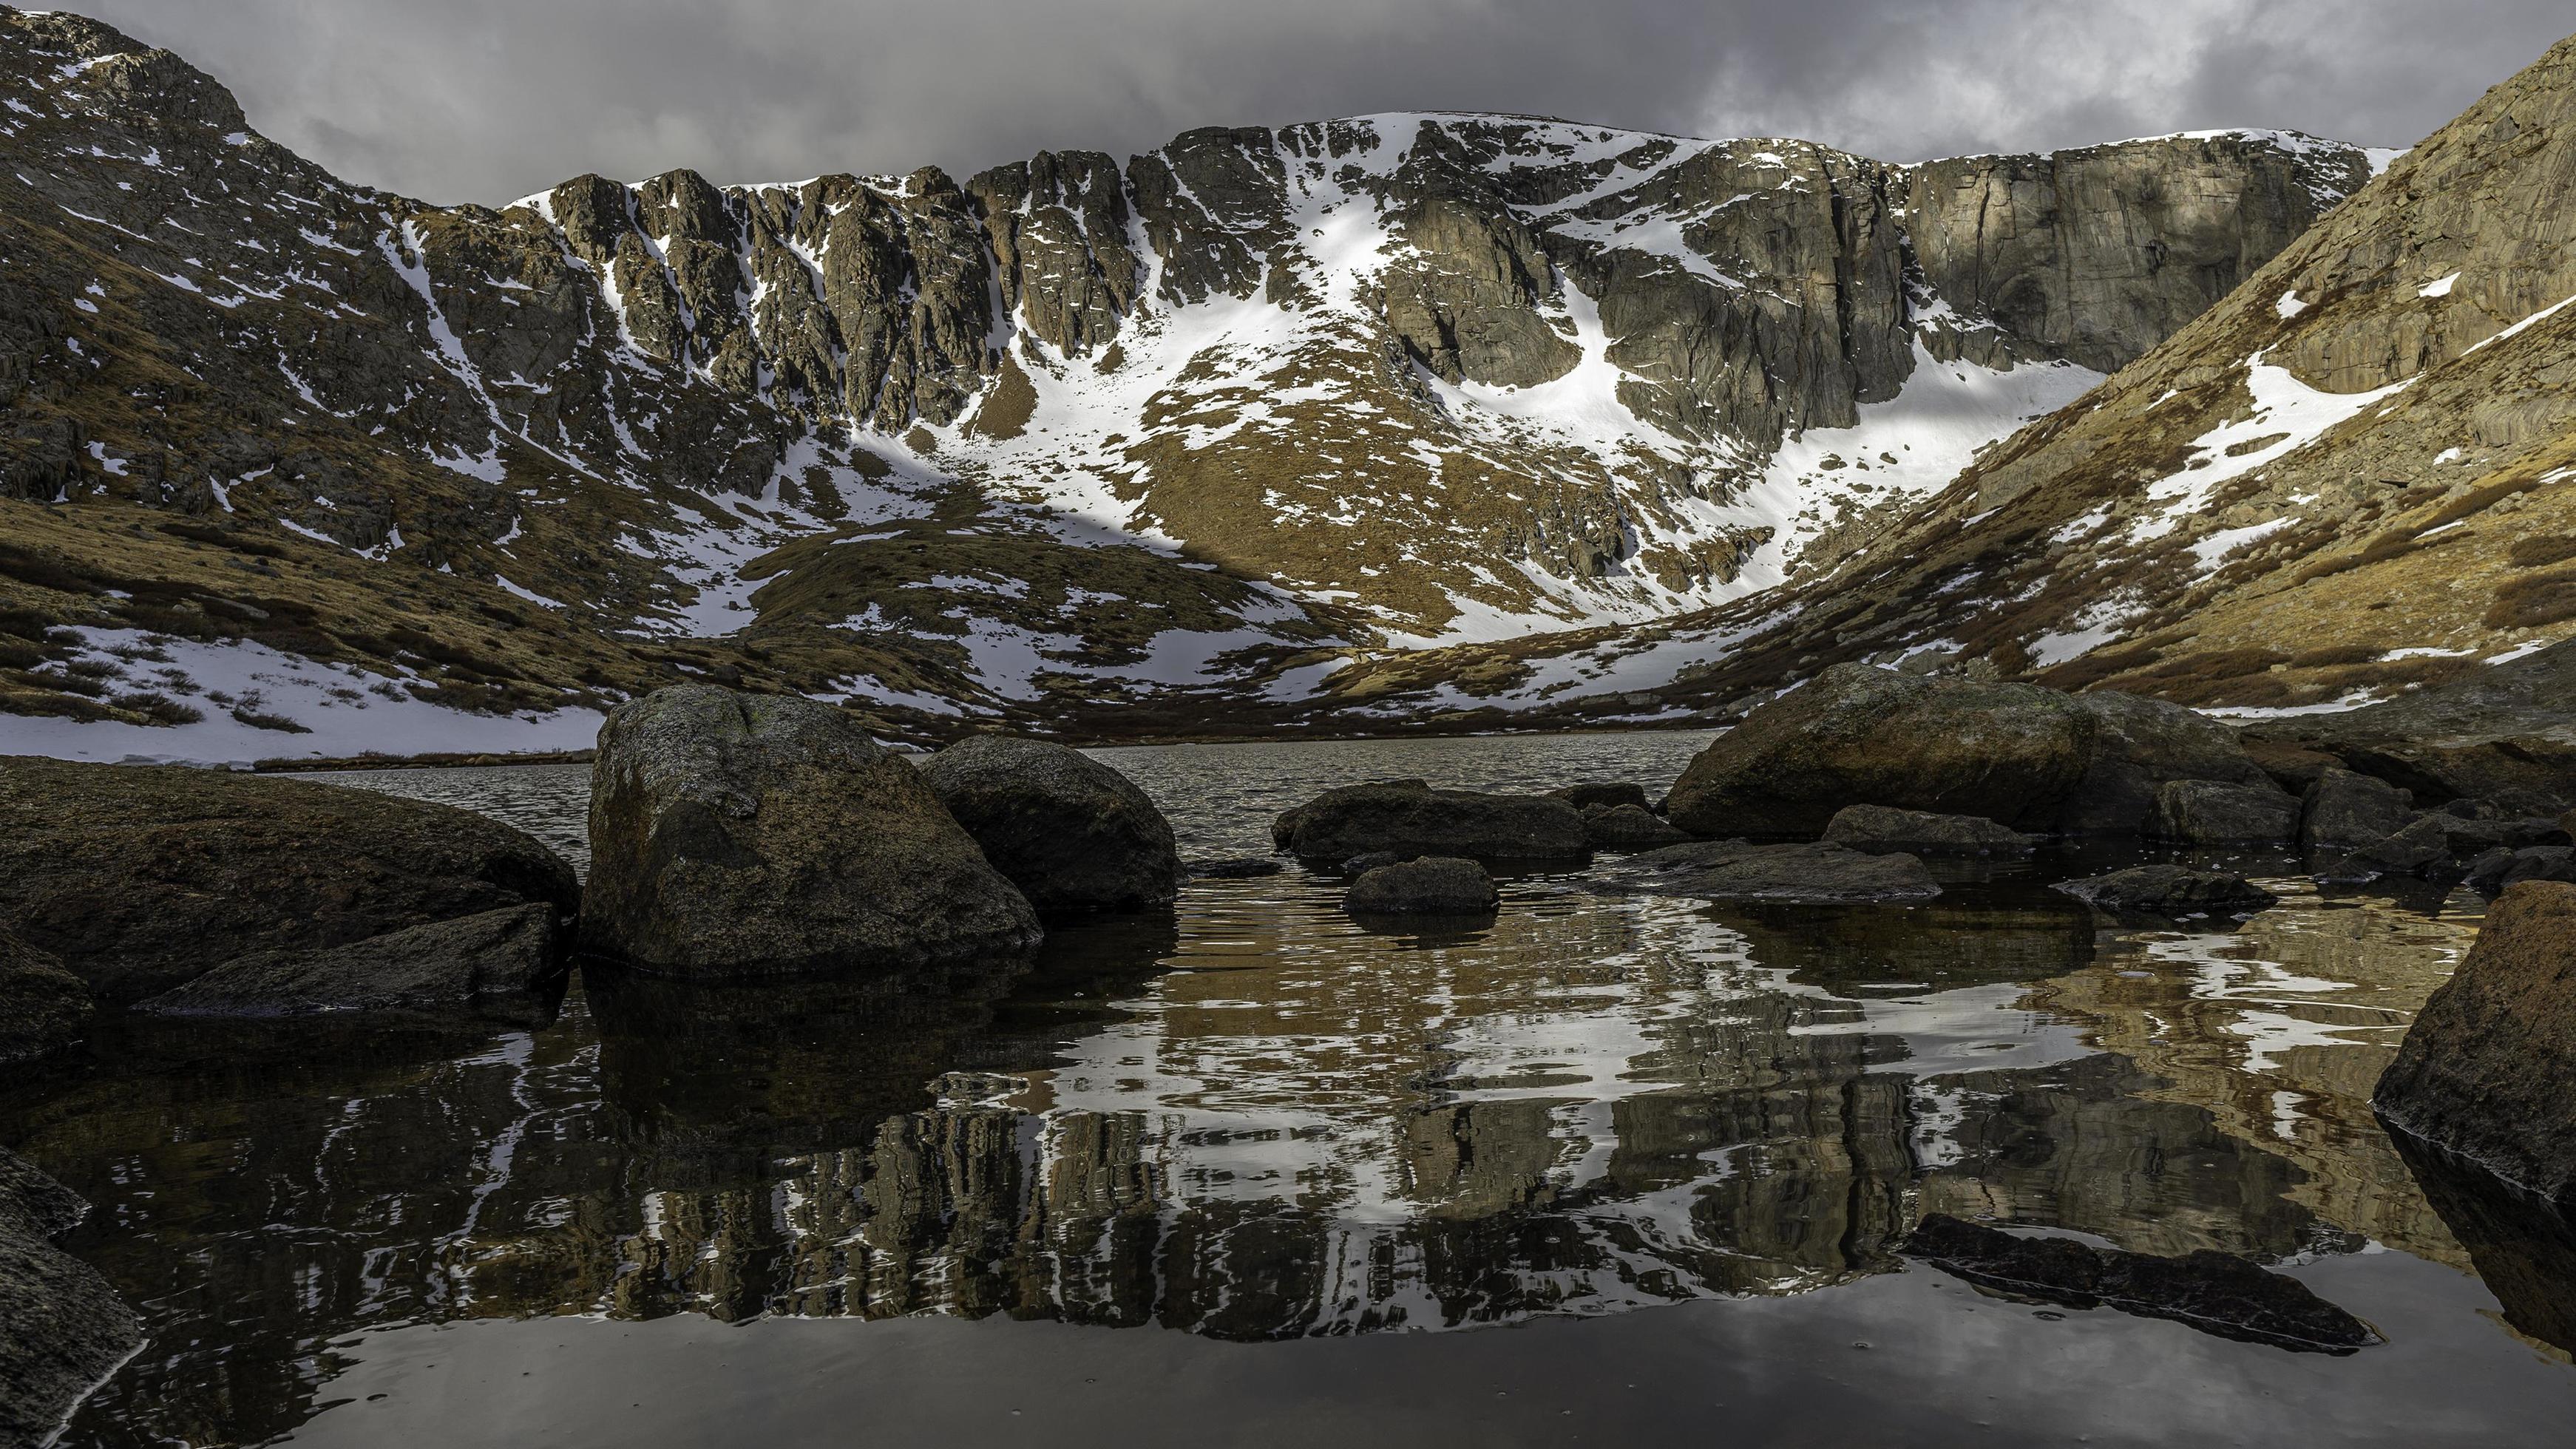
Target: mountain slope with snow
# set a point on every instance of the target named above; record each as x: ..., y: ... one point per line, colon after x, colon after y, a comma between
x: 1068, y: 444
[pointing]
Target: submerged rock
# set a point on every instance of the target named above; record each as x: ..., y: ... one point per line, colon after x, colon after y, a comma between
x: 1736, y: 870
x: 138, y: 878
x: 1612, y: 793
x: 1411, y: 818
x: 1856, y: 735
x: 1248, y: 867
x: 2484, y: 1070
x: 501, y: 966
x: 42, y: 1006
x: 2213, y: 812
x: 1073, y: 834
x: 2217, y: 1293
x: 1880, y: 828
x: 750, y: 835
x: 1435, y: 885
x: 2342, y: 810
x: 62, y: 1328
x: 2170, y: 890
x: 1629, y: 827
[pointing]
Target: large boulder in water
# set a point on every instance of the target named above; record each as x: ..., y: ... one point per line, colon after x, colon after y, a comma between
x: 2170, y: 890
x: 42, y: 1006
x: 1879, y: 829
x: 138, y: 878
x: 2484, y: 1072
x: 62, y: 1328
x: 2342, y: 810
x: 1856, y: 735
x: 2213, y: 812
x: 1628, y: 827
x: 1073, y: 834
x: 504, y: 966
x: 1408, y: 817
x: 1813, y: 873
x: 759, y: 835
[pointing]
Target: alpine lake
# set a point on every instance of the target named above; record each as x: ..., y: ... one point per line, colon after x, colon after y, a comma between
x: 1607, y: 1169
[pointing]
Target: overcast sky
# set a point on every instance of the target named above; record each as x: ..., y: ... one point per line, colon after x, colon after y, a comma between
x: 485, y: 100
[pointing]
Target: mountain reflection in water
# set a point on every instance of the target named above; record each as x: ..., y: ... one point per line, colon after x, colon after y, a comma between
x: 1253, y: 1119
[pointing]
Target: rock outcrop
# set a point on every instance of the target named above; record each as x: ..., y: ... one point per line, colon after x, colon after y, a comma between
x: 1433, y: 885
x: 1073, y: 834
x: 748, y: 835
x: 2342, y: 810
x: 2170, y: 890
x: 2141, y: 745
x: 1736, y: 870
x: 140, y: 878
x: 2484, y: 1069
x: 504, y: 966
x: 62, y: 1327
x: 2210, y: 812
x: 1411, y: 818
x: 1879, y: 829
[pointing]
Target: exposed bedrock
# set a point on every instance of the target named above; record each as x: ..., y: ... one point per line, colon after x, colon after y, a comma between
x: 2485, y: 1071
x: 504, y: 966
x: 139, y: 878
x: 748, y: 835
x: 1073, y: 834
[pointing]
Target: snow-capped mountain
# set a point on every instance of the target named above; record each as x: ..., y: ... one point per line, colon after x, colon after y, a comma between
x: 1071, y: 443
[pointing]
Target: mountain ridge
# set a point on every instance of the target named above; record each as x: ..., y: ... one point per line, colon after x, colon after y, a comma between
x: 1293, y: 397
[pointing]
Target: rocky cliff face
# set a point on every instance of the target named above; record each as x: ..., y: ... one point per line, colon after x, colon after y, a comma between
x: 1394, y: 380
x: 2352, y: 477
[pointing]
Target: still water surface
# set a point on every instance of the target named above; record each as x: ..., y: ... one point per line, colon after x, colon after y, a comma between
x: 1605, y: 1170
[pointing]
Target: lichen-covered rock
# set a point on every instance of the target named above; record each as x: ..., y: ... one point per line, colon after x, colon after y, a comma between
x: 42, y: 1006
x: 2139, y: 745
x: 1862, y: 736
x: 747, y: 835
x: 1433, y: 885
x: 503, y: 966
x: 138, y: 878
x: 1409, y: 817
x: 1629, y: 827
x: 1879, y: 829
x: 2341, y: 810
x: 2484, y: 1070
x: 2170, y: 890
x: 1073, y: 834
x: 2209, y: 812
x: 62, y: 1327
x: 1809, y: 873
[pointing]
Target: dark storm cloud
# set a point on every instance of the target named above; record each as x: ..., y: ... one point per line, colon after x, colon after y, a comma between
x: 488, y: 99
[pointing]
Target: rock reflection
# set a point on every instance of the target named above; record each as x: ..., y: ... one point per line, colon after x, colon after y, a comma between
x: 1255, y: 1120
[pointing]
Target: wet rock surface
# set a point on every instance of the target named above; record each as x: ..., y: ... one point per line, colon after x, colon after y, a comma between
x: 1857, y: 735
x: 2484, y: 1071
x: 2214, y: 1292
x: 1433, y: 885
x: 1411, y: 818
x: 2170, y: 890
x: 139, y: 878
x: 42, y: 1006
x: 1878, y: 829
x: 736, y: 834
x: 1073, y: 834
x: 504, y: 966
x: 1629, y: 827
x: 62, y: 1327
x: 1737, y: 870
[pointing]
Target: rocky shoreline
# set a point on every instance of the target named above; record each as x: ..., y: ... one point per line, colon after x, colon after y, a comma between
x: 738, y: 837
